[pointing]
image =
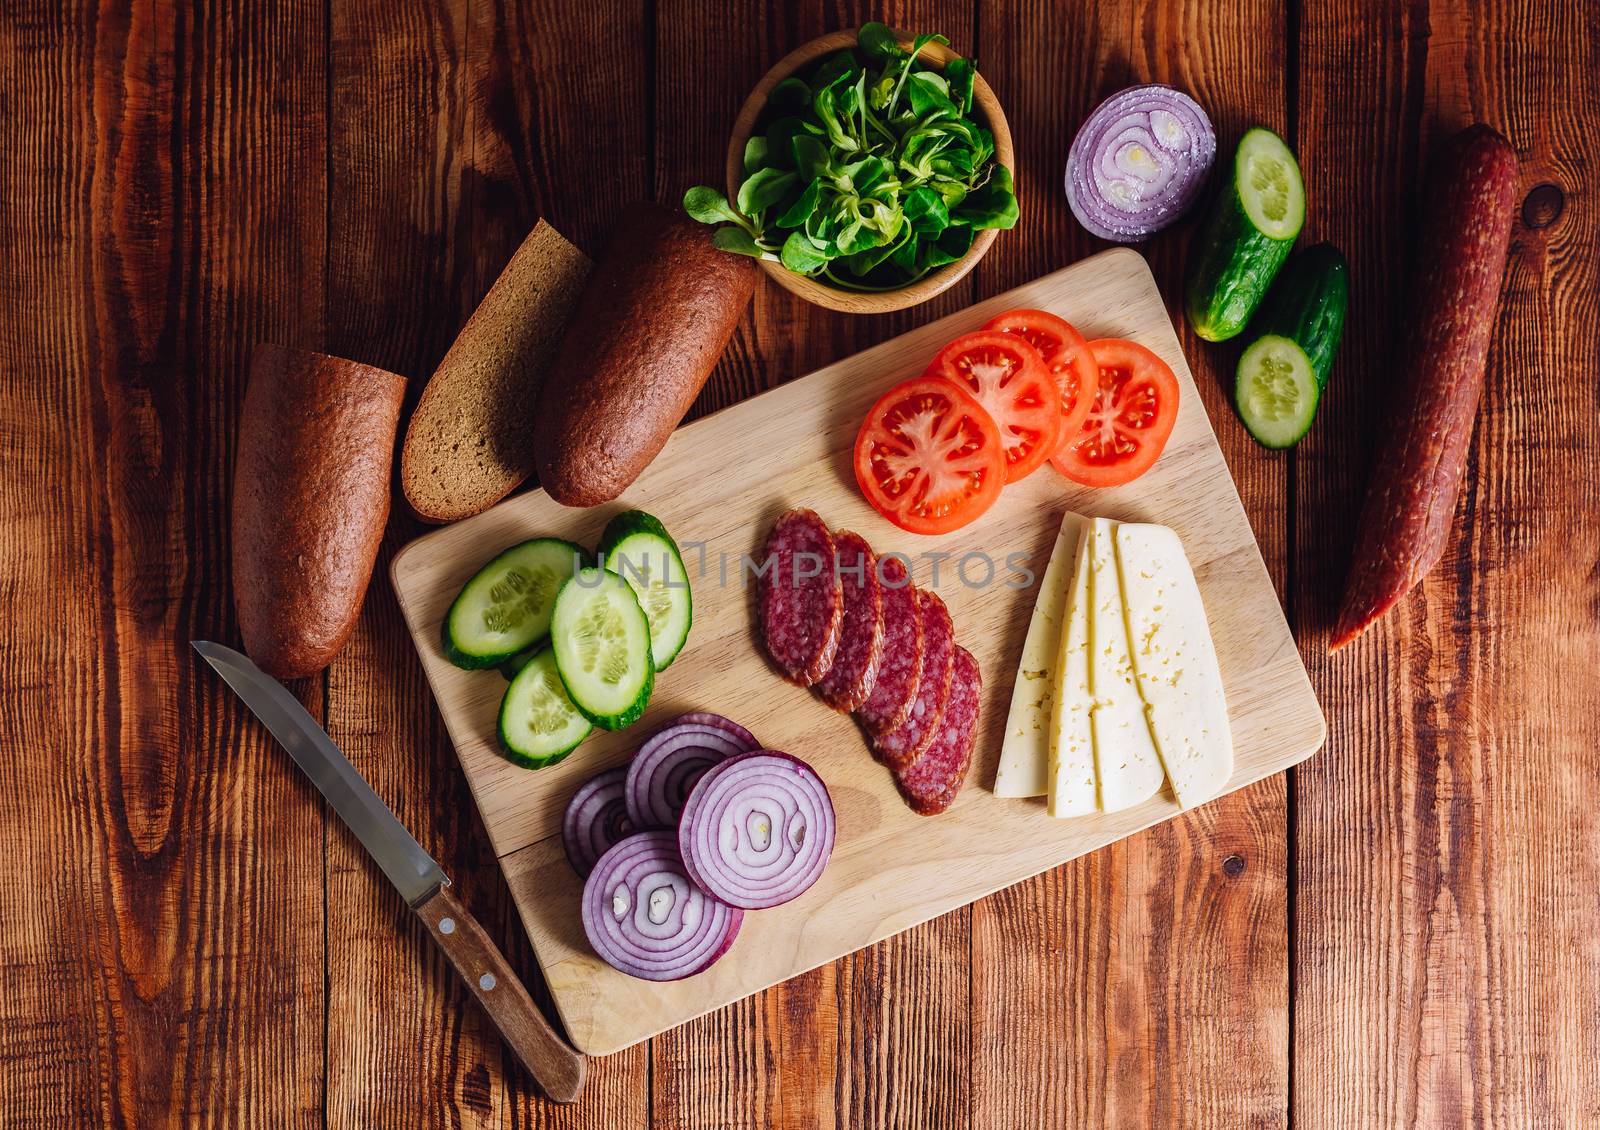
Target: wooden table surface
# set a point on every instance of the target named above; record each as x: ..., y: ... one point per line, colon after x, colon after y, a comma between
x: 1403, y: 932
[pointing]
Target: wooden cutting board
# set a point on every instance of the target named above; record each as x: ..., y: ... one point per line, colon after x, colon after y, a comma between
x: 718, y: 486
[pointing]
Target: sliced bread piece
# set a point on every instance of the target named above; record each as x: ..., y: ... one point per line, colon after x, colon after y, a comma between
x: 470, y: 440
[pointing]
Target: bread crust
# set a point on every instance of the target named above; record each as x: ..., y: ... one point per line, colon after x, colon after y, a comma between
x: 656, y: 314
x: 310, y: 499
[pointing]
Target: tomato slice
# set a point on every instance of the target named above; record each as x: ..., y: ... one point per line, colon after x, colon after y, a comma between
x: 928, y: 457
x: 1009, y: 378
x: 1064, y: 352
x: 1134, y: 409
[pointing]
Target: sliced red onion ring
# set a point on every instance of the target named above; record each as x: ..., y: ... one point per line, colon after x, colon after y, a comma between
x: 597, y: 817
x: 644, y: 917
x: 706, y: 718
x: 671, y: 761
x: 758, y: 829
x: 1139, y: 162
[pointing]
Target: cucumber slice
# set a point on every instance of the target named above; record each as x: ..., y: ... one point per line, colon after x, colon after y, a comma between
x: 1268, y: 179
x: 538, y: 723
x: 505, y: 607
x: 637, y: 546
x: 1246, y: 236
x: 1276, y: 390
x: 601, y: 641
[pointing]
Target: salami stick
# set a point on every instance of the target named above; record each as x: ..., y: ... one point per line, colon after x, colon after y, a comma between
x: 1405, y: 523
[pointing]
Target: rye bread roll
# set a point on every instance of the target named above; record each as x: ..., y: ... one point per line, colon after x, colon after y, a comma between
x: 310, y: 499
x: 647, y: 330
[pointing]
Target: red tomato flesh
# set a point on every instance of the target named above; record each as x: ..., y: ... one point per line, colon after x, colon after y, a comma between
x: 1134, y: 410
x: 1066, y: 355
x: 1010, y: 379
x: 928, y: 457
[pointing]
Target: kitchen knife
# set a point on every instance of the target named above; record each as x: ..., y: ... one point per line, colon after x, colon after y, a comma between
x: 556, y: 1066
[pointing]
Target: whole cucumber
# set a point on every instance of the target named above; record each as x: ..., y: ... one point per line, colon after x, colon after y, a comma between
x: 1307, y: 305
x: 1246, y: 236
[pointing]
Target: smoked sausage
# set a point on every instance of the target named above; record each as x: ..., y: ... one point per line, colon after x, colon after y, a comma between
x: 649, y: 326
x: 310, y: 499
x: 1405, y: 523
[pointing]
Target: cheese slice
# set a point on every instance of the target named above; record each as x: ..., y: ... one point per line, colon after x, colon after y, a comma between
x: 1072, y: 776
x: 1024, y: 751
x: 1174, y: 661
x: 1126, y: 762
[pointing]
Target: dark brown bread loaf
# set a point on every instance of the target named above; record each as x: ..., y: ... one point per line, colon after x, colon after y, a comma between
x: 652, y: 321
x: 310, y: 498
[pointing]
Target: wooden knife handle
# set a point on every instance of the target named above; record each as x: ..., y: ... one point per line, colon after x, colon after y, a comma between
x: 557, y: 1067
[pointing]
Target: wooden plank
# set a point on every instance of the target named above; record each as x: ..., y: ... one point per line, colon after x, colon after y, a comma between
x: 793, y: 444
x: 788, y: 1057
x: 442, y: 158
x: 1094, y: 999
x: 1448, y: 857
x: 163, y: 209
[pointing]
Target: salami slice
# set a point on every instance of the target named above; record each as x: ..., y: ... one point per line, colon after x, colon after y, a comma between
x: 900, y: 669
x: 855, y: 666
x: 931, y: 782
x: 903, y: 744
x: 800, y: 597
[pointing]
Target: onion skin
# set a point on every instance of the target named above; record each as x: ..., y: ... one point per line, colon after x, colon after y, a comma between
x: 1139, y: 162
x: 737, y: 836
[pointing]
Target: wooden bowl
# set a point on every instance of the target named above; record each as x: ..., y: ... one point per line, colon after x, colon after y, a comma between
x: 986, y: 109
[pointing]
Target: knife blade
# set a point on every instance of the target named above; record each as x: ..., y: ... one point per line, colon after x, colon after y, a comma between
x: 412, y: 870
x: 557, y: 1067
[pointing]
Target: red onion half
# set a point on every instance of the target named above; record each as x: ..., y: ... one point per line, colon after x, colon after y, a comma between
x: 672, y: 760
x: 644, y: 917
x: 1139, y: 162
x: 758, y: 829
x: 597, y: 818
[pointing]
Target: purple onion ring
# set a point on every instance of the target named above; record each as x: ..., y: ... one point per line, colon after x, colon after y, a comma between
x: 1139, y: 162
x: 645, y: 918
x: 757, y: 830
x: 597, y: 818
x: 669, y: 763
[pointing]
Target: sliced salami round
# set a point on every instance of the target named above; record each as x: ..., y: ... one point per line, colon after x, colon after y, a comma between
x: 801, y: 600
x: 903, y: 744
x: 900, y: 669
x: 931, y: 782
x: 855, y: 666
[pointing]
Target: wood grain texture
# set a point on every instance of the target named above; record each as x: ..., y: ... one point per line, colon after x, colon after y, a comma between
x: 1447, y: 857
x: 1104, y: 948
x: 792, y: 447
x: 163, y: 943
x: 433, y: 187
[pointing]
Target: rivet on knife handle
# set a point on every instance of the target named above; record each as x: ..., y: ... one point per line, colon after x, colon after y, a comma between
x: 559, y: 1070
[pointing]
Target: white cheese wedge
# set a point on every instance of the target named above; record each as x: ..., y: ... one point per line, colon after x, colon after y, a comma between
x: 1126, y: 762
x: 1024, y: 751
x: 1174, y: 661
x: 1072, y: 777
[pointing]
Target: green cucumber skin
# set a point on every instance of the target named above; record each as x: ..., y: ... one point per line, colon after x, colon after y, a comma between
x: 468, y: 661
x: 1230, y: 268
x: 628, y: 524
x: 1308, y: 306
